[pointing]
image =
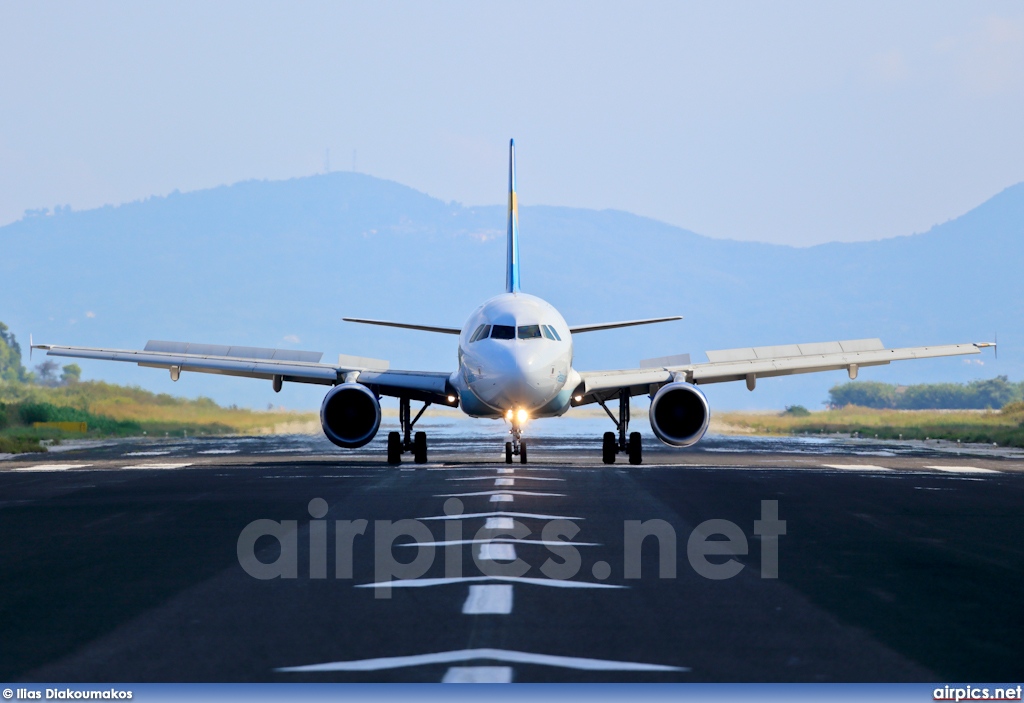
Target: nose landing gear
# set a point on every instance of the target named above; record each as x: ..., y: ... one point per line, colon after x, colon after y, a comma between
x: 627, y: 443
x: 400, y: 443
x: 517, y: 447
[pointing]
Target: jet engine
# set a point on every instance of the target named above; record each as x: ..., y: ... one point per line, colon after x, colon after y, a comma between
x: 679, y: 414
x: 350, y: 415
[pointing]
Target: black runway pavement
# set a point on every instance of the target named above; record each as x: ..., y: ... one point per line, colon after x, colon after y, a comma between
x: 899, y: 562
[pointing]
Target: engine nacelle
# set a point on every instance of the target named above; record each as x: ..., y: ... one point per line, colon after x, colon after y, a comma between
x: 350, y: 415
x: 679, y: 414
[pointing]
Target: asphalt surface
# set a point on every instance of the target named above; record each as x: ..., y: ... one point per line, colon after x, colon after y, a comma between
x: 889, y: 569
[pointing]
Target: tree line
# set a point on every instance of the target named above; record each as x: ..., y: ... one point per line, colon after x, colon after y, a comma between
x: 993, y: 394
x: 47, y: 373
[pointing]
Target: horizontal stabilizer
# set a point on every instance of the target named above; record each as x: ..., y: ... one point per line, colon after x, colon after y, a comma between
x: 405, y: 326
x: 232, y: 351
x: 792, y: 350
x: 576, y: 329
x: 662, y: 362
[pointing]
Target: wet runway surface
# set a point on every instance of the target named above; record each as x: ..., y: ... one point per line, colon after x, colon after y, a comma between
x: 139, y: 561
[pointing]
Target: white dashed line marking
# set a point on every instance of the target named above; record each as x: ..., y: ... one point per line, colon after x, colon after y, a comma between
x: 856, y: 467
x: 506, y: 471
x: 160, y: 453
x: 963, y: 469
x: 500, y: 523
x: 53, y: 467
x: 478, y: 674
x: 501, y: 498
x: 491, y: 551
x: 501, y: 655
x: 156, y: 466
x: 219, y: 451
x: 504, y: 482
x: 488, y: 600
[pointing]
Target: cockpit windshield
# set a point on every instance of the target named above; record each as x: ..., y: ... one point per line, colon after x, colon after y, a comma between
x: 503, y: 332
x: 529, y: 332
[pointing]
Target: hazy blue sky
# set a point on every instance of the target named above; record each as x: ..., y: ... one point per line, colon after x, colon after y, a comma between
x: 784, y: 122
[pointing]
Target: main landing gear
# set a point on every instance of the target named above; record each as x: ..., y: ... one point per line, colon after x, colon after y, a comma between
x: 405, y: 441
x: 612, y: 445
x: 517, y: 447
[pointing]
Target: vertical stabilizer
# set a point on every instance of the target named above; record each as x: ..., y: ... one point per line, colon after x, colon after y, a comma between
x: 512, y: 261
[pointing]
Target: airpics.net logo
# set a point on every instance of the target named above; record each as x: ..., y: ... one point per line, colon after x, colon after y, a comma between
x: 712, y: 548
x: 977, y: 693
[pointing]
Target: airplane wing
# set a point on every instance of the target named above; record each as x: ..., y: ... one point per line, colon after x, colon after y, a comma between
x: 276, y: 365
x: 576, y: 329
x: 404, y: 325
x: 751, y: 363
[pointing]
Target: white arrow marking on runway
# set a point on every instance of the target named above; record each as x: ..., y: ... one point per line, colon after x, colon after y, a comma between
x: 422, y: 583
x: 964, y: 469
x: 500, y: 513
x: 488, y: 600
x: 856, y: 467
x: 507, y: 540
x: 500, y: 551
x: 500, y: 523
x: 495, y: 492
x: 478, y: 674
x: 501, y: 655
x: 53, y: 467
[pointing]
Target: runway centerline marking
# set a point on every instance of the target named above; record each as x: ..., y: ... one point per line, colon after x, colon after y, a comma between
x: 504, y: 482
x: 964, y: 469
x: 463, y: 655
x: 500, y: 523
x: 497, y: 551
x: 425, y: 583
x: 505, y: 477
x: 478, y: 674
x: 500, y: 498
x: 490, y: 599
x: 506, y: 471
x: 856, y: 467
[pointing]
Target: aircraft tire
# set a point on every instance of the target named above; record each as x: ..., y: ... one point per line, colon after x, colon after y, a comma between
x: 508, y: 452
x: 419, y: 448
x: 635, y: 449
x: 394, y: 448
x: 609, y: 448
x: 522, y: 452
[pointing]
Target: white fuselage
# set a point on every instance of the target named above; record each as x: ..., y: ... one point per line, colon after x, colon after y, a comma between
x: 515, y: 353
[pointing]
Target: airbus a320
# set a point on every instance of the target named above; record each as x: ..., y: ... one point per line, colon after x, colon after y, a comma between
x: 515, y: 362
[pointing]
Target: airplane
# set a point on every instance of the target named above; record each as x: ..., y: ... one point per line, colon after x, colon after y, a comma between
x: 515, y: 362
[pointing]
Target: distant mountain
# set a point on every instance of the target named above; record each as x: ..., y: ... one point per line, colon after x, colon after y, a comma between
x: 265, y: 263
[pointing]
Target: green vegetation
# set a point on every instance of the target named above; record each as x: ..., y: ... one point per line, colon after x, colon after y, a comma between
x: 1004, y: 427
x: 977, y: 395
x: 107, y: 409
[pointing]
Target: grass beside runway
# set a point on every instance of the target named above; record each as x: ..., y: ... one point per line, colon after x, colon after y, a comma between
x: 1003, y: 427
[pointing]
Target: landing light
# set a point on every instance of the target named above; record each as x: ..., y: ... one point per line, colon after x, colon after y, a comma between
x: 523, y: 415
x: 508, y: 415
x: 451, y: 399
x: 578, y: 398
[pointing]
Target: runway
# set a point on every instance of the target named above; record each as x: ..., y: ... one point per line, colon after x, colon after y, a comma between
x: 895, y: 562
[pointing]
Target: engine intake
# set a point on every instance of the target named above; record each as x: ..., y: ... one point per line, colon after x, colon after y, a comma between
x: 350, y: 415
x: 679, y: 414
